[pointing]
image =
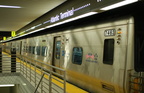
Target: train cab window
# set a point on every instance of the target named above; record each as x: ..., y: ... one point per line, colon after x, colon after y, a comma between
x: 44, y: 51
x: 38, y: 50
x: 77, y: 55
x: 58, y: 49
x: 108, y: 54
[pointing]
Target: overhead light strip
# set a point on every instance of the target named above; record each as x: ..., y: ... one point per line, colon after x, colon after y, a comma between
x: 7, y: 6
x: 72, y: 19
x: 7, y: 85
x: 125, y: 2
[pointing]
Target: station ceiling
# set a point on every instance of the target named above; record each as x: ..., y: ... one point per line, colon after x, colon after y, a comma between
x: 25, y: 11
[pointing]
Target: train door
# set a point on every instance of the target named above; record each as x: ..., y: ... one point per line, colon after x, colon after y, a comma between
x: 114, y: 60
x: 57, y: 53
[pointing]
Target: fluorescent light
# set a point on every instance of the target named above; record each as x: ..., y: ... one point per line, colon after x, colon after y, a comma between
x: 7, y: 85
x: 72, y: 19
x: 83, y: 15
x: 7, y: 6
x: 125, y: 2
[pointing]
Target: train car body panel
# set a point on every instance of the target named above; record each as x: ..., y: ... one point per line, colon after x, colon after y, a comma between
x: 91, y: 39
x: 97, y: 57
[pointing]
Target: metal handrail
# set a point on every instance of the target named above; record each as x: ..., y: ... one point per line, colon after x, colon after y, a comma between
x: 39, y: 83
x: 44, y: 63
x: 38, y: 64
x: 28, y: 67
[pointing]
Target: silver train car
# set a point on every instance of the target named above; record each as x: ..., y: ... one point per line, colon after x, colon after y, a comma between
x: 98, y: 57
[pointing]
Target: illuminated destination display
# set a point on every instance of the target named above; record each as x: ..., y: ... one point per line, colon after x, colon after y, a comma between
x: 65, y: 14
x: 58, y: 17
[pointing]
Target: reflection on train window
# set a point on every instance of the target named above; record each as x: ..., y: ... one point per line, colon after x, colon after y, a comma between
x: 30, y: 49
x: 38, y: 50
x: 108, y: 51
x: 44, y: 51
x: 77, y: 55
x: 17, y: 48
x: 58, y: 49
x: 26, y: 49
x: 33, y: 50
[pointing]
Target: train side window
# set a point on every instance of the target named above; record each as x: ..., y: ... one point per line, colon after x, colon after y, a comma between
x: 58, y: 49
x: 44, y: 51
x: 26, y: 49
x: 33, y: 50
x: 77, y: 55
x: 108, y: 54
x: 38, y: 50
x: 30, y: 49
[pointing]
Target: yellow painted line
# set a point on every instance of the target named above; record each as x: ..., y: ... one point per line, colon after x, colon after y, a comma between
x: 69, y: 87
x: 6, y: 54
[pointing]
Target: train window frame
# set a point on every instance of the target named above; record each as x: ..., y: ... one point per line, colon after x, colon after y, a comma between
x: 24, y: 49
x: 74, y: 55
x: 108, y: 52
x: 27, y: 49
x: 38, y: 50
x: 58, y: 50
x: 44, y: 51
x: 30, y: 49
x: 33, y: 49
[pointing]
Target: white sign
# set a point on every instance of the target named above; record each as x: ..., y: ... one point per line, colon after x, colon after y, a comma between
x: 61, y: 16
x: 110, y: 32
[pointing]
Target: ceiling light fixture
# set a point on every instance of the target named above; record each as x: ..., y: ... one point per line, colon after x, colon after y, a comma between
x: 125, y: 2
x: 7, y: 85
x: 7, y: 6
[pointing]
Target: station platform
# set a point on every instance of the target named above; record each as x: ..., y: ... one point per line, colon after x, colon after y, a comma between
x: 33, y: 77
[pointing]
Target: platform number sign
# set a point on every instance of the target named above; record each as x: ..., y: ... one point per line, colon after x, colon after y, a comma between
x: 110, y: 32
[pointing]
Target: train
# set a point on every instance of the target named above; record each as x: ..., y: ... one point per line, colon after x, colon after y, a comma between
x: 100, y: 56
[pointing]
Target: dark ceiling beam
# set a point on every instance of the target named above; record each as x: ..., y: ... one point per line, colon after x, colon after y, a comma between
x: 4, y: 34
